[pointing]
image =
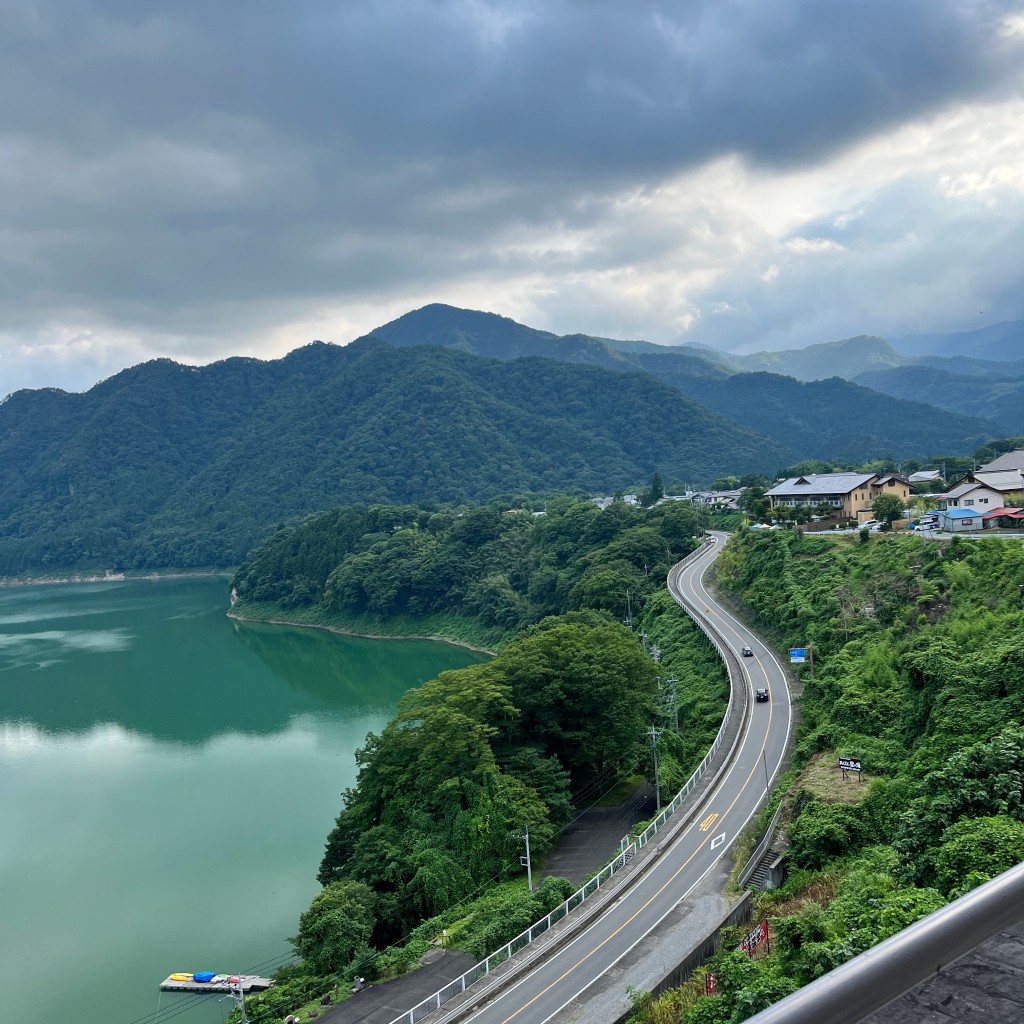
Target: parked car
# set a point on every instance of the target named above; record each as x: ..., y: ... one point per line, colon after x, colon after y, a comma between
x: 761, y: 694
x: 870, y: 524
x: 747, y: 652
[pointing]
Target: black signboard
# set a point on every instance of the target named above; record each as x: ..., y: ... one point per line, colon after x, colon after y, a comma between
x: 849, y: 764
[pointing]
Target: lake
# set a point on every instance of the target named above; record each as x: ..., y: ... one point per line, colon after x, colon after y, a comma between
x: 167, y: 780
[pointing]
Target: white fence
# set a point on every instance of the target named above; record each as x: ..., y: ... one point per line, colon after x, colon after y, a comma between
x: 628, y: 848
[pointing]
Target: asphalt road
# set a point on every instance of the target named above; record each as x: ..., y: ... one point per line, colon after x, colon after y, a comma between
x: 566, y: 975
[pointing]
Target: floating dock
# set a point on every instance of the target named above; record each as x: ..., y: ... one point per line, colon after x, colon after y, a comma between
x: 246, y: 982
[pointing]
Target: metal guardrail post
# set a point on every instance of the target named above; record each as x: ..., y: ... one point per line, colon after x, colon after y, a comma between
x: 868, y: 982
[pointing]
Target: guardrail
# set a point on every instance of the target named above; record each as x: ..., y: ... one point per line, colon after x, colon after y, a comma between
x: 726, y: 656
x: 628, y: 848
x: 868, y: 982
x: 759, y: 850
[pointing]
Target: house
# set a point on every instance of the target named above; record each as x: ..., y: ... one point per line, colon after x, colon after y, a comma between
x: 723, y: 499
x: 891, y: 483
x: 1007, y: 461
x: 847, y: 493
x: 984, y: 490
x: 925, y: 476
x: 960, y: 520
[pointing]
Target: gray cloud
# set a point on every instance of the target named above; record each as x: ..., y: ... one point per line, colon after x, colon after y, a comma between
x: 192, y: 172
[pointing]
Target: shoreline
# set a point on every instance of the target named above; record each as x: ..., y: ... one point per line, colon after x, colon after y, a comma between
x: 363, y: 636
x: 117, y: 577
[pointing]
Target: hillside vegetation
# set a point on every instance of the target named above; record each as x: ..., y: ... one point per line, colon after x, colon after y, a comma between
x: 801, y: 403
x: 168, y: 465
x: 835, y: 419
x: 919, y: 672
x: 1001, y: 397
x: 430, y: 836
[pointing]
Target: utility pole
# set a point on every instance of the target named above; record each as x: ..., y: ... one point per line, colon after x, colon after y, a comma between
x: 657, y: 782
x: 238, y: 994
x: 629, y: 613
x: 525, y: 861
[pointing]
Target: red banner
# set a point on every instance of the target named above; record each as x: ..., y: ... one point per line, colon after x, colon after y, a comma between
x: 710, y: 983
x: 757, y: 935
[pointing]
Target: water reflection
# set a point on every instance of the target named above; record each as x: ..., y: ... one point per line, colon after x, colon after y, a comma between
x: 330, y: 667
x: 167, y: 778
x: 161, y: 659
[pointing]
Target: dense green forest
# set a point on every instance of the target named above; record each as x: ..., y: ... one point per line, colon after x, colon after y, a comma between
x: 835, y: 419
x: 919, y: 672
x: 473, y: 572
x: 430, y: 836
x: 167, y: 465
x: 1002, y: 397
x: 821, y: 414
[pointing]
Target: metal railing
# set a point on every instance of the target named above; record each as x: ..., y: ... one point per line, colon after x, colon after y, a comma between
x: 520, y: 942
x: 870, y: 981
x: 760, y: 849
x: 628, y: 848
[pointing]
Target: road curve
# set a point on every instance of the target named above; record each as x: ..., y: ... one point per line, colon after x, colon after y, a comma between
x: 566, y: 975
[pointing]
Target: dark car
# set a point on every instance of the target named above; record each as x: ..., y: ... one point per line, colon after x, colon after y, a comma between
x: 747, y: 652
x: 761, y: 694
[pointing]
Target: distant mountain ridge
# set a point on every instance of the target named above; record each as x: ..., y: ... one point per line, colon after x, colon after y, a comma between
x: 1001, y: 342
x: 803, y: 406
x: 1002, y: 398
x: 168, y: 465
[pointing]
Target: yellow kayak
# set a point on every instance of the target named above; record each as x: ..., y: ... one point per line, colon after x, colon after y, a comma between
x: 181, y: 977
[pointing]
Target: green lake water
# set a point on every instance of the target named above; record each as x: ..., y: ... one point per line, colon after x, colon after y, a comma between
x: 167, y: 780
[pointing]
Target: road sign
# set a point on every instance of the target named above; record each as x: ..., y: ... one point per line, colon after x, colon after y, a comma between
x: 850, y: 764
x: 797, y: 655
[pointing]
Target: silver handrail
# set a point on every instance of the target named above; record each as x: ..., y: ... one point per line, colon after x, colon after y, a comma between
x: 868, y: 982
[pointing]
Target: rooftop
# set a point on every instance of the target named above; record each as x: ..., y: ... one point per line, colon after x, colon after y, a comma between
x: 961, y: 513
x: 820, y: 483
x: 1010, y: 460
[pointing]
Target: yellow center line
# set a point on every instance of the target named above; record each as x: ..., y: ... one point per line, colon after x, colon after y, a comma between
x: 674, y: 876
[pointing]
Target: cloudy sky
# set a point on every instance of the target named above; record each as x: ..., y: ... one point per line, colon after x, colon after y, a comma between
x: 197, y: 179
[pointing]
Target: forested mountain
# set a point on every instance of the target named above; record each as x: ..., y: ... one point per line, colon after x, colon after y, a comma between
x: 1001, y: 342
x: 822, y: 418
x: 845, y: 358
x: 999, y: 398
x: 165, y: 465
x: 834, y: 419
x: 499, y: 337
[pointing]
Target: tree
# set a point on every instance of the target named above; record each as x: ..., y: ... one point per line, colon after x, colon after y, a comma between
x: 887, y: 507
x: 336, y: 926
x: 656, y: 492
x: 977, y: 848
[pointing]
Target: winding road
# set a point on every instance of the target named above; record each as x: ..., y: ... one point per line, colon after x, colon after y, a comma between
x: 566, y: 975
